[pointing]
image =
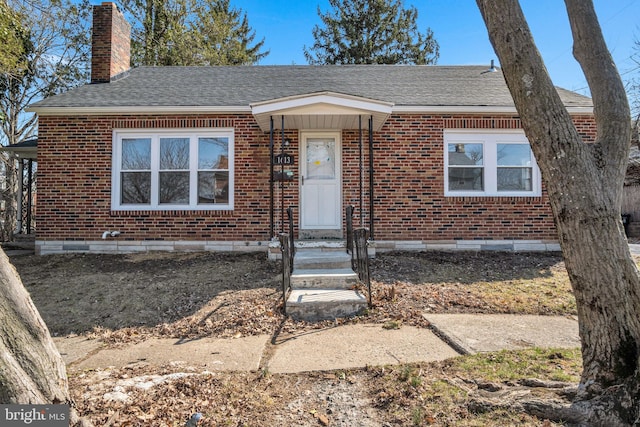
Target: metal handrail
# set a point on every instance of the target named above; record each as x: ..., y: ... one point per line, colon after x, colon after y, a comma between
x: 291, y: 239
x: 287, y: 268
x: 349, y: 221
x: 362, y: 260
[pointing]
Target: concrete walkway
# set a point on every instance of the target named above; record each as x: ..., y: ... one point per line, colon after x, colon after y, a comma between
x: 341, y: 347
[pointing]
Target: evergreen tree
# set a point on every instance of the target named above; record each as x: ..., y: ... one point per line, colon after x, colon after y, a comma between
x: 190, y: 32
x: 371, y: 32
x: 224, y: 36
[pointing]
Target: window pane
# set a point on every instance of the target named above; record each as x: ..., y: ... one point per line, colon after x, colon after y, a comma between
x: 514, y: 155
x: 213, y: 187
x: 136, y: 188
x: 174, y: 188
x: 321, y: 158
x: 514, y: 179
x: 461, y: 179
x: 136, y: 154
x: 465, y: 154
x: 174, y: 153
x: 213, y: 153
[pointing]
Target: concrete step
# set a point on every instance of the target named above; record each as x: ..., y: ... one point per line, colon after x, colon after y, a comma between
x: 323, y: 304
x: 344, y: 278
x: 309, y: 259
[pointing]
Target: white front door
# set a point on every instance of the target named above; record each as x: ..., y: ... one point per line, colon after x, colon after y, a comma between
x: 320, y: 185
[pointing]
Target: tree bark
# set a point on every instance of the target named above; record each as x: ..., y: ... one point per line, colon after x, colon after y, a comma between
x: 584, y: 182
x: 31, y: 368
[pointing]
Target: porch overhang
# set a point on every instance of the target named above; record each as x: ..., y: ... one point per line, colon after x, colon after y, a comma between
x: 23, y: 150
x: 323, y: 110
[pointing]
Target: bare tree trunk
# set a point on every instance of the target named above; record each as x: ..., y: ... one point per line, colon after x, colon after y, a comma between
x: 584, y: 182
x: 31, y: 368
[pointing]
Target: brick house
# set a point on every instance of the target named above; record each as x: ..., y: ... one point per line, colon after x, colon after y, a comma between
x: 208, y: 158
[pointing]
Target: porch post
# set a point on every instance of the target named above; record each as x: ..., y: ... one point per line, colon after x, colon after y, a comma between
x: 371, y: 235
x: 271, y: 219
x: 19, y: 195
x: 282, y: 180
x: 29, y: 194
x: 361, y: 172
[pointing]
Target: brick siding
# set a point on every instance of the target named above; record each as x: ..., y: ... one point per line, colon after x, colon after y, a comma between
x: 111, y: 41
x: 74, y: 184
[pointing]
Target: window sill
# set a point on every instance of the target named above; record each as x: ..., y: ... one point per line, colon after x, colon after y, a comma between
x: 171, y: 213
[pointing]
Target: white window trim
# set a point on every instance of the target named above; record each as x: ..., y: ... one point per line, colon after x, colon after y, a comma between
x: 489, y: 139
x: 155, y: 135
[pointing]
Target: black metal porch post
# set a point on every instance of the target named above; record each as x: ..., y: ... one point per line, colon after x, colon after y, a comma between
x: 271, y: 213
x: 371, y: 235
x: 282, y: 180
x: 361, y: 171
x: 29, y: 194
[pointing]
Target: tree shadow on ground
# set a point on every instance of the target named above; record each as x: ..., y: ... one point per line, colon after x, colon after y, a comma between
x: 463, y: 267
x: 81, y: 292
x: 238, y: 294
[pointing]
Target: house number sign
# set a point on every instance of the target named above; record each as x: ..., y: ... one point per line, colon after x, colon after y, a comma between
x: 283, y: 159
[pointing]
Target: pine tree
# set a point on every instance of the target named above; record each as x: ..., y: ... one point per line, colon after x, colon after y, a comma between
x: 371, y: 32
x: 191, y: 32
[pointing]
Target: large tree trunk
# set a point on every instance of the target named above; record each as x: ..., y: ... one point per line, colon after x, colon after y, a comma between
x: 584, y: 182
x: 31, y: 368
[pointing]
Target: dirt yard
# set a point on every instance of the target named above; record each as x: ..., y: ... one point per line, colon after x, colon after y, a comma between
x: 125, y: 298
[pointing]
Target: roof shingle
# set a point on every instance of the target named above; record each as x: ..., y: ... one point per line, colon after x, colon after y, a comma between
x: 234, y: 86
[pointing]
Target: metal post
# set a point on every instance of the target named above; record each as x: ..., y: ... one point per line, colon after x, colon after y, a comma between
x: 361, y: 174
x: 19, y: 195
x: 282, y: 180
x: 29, y: 194
x: 271, y: 213
x: 371, y: 235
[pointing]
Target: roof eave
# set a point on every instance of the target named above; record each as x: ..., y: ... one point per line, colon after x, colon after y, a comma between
x: 476, y: 109
x: 422, y: 109
x: 156, y: 109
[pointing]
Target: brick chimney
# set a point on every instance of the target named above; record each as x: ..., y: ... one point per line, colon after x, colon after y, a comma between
x: 111, y: 43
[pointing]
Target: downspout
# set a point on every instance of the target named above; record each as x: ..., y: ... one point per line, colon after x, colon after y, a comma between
x: 371, y: 235
x: 271, y: 224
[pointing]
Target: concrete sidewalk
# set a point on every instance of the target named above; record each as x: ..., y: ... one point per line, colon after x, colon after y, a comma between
x: 341, y: 347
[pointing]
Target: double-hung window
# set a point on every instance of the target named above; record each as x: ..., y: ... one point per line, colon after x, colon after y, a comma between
x: 493, y: 163
x: 173, y: 169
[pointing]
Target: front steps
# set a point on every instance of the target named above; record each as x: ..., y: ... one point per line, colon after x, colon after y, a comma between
x: 324, y: 285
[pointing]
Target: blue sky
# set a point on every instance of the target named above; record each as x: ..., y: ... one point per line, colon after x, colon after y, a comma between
x: 286, y: 26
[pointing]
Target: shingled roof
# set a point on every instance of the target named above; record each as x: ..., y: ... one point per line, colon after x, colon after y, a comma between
x: 235, y: 88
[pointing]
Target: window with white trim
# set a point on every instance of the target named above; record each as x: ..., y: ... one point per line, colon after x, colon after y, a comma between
x: 173, y: 169
x: 492, y: 163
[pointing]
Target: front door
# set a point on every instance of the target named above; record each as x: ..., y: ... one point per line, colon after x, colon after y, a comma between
x: 320, y: 185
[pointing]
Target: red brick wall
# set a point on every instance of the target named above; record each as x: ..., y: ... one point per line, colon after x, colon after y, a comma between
x: 111, y: 43
x: 74, y: 184
x: 409, y: 201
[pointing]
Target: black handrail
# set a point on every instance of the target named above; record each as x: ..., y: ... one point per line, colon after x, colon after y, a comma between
x: 291, y: 239
x: 287, y: 268
x: 349, y: 221
x: 362, y: 260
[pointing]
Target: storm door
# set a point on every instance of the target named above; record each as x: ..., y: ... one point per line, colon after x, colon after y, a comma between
x: 320, y: 185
